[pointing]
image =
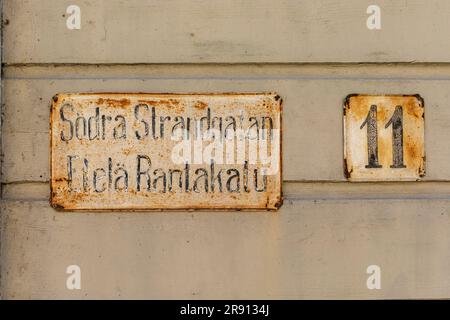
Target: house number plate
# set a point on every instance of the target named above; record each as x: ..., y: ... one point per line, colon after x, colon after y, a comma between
x: 384, y: 137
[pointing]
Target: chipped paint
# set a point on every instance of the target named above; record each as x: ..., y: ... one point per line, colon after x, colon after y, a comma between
x: 114, y: 151
x: 384, y: 137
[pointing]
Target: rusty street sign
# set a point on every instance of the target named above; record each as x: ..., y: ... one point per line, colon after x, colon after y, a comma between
x: 166, y: 151
x: 384, y: 138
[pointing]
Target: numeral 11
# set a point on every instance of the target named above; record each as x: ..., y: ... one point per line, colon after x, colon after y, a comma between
x: 396, y: 122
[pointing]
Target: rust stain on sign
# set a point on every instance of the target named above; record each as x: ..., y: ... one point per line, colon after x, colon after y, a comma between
x: 113, y: 151
x: 384, y: 137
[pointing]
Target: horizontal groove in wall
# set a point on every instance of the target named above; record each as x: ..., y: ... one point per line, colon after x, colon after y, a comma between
x: 292, y: 191
x: 387, y: 72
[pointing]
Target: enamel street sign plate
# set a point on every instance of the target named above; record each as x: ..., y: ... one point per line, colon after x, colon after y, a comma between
x: 166, y: 151
x: 384, y: 138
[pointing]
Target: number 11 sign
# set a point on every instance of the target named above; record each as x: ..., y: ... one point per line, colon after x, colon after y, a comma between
x: 384, y: 138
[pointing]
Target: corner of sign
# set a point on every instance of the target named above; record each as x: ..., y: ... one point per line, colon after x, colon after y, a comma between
x: 422, y: 168
x: 55, y: 205
x: 420, y: 99
x: 277, y: 97
x: 346, y: 104
x: 347, y: 171
x: 55, y: 98
x: 278, y: 204
x: 348, y: 97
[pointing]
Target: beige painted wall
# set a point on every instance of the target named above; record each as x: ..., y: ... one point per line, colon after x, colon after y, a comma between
x: 328, y: 231
x: 175, y: 31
